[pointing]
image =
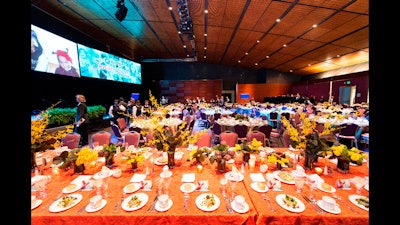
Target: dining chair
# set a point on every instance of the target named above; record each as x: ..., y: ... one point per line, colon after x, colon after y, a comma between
x: 71, y: 140
x: 258, y: 135
x: 101, y: 137
x: 117, y: 133
x: 266, y: 129
x: 349, y: 132
x: 204, y: 140
x: 132, y: 138
x: 242, y: 131
x: 216, y: 131
x: 123, y: 127
x: 273, y: 118
x: 228, y: 137
x: 138, y: 129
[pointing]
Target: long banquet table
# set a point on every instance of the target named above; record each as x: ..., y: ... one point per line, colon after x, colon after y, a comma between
x: 259, y: 212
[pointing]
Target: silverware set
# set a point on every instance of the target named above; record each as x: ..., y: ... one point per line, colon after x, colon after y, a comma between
x: 152, y: 206
x: 186, y: 198
x: 227, y: 203
x: 313, y: 203
x: 341, y: 200
x: 46, y: 206
x: 120, y: 202
x: 267, y: 199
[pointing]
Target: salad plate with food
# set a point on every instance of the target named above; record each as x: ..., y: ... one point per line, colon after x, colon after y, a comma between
x: 207, y: 202
x: 290, y: 203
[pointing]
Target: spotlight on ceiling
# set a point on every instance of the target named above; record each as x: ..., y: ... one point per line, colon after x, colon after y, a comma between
x: 122, y: 10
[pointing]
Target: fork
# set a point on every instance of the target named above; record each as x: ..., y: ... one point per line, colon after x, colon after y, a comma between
x: 186, y: 198
x: 266, y: 198
x: 341, y: 200
x: 120, y: 202
x: 151, y: 208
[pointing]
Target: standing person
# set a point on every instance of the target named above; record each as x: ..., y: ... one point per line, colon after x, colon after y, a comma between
x: 146, y: 108
x: 82, y: 119
x: 65, y: 62
x: 114, y: 110
x: 137, y: 109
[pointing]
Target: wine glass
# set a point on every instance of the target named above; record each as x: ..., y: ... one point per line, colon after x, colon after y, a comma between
x: 359, y: 182
x: 312, y: 183
x: 232, y: 184
x: 98, y: 183
x: 299, y: 182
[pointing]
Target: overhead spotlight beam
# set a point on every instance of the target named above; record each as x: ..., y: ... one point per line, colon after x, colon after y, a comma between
x: 121, y: 10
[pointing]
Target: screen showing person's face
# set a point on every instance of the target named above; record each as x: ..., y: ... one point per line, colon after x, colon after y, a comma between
x: 64, y: 63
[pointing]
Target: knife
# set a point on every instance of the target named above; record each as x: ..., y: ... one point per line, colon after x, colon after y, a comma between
x: 316, y: 207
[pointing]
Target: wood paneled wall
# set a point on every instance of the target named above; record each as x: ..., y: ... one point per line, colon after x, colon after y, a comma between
x: 180, y: 90
x: 259, y: 91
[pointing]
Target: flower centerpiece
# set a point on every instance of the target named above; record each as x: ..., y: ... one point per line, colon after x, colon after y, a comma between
x: 86, y: 160
x: 41, y: 140
x: 221, y: 154
x: 248, y: 148
x: 307, y: 138
x: 133, y: 157
x: 346, y: 156
x: 280, y: 159
x: 199, y: 154
x: 108, y: 153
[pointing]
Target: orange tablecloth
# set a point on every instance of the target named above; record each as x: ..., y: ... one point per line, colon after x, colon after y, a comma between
x: 258, y: 213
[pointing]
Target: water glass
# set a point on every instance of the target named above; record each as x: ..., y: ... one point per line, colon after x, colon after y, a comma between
x: 299, y: 182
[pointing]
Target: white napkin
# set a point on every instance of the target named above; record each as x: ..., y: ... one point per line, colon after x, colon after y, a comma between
x: 257, y: 177
x: 317, y: 178
x: 138, y: 178
x: 81, y: 178
x: 188, y: 177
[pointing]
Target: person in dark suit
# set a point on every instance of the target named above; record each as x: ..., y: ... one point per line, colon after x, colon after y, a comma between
x: 82, y: 119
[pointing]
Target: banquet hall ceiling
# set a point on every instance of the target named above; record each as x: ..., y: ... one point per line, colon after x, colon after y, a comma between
x: 234, y: 33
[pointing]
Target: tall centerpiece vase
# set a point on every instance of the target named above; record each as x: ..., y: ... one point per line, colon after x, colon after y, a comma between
x: 343, y: 165
x: 171, y: 158
x: 221, y: 166
x: 134, y: 166
x: 79, y: 169
x: 246, y: 157
x: 308, y: 161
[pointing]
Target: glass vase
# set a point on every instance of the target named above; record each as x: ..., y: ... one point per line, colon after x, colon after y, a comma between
x: 221, y: 166
x: 246, y: 157
x: 171, y: 159
x: 134, y: 166
x: 343, y: 165
x: 308, y: 161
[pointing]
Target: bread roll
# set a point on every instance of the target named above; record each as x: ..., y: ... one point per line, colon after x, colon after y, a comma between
x: 326, y: 187
x: 261, y: 185
x: 187, y: 187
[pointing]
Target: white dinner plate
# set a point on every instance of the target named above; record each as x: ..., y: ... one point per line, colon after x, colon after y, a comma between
x: 99, y: 175
x: 353, y: 200
x: 282, y: 180
x: 72, y: 187
x: 236, y: 209
x: 161, y: 161
x: 201, y: 200
x: 158, y: 208
x: 90, y: 209
x: 319, y: 186
x: 143, y: 197
x: 186, y: 186
x: 366, y: 187
x: 234, y: 176
x: 300, y: 207
x: 55, y: 207
x: 131, y: 187
x: 335, y: 210
x: 37, y: 203
x: 230, y: 161
x: 256, y: 188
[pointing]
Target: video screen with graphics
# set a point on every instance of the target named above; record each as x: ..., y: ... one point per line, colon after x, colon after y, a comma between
x: 98, y: 64
x: 53, y: 54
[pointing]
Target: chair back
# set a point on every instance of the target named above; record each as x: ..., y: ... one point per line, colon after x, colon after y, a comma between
x: 286, y: 139
x: 258, y: 135
x: 349, y: 129
x: 266, y: 129
x: 230, y: 138
x: 241, y: 130
x: 101, y: 137
x: 71, y: 140
x: 216, y: 128
x: 204, y: 140
x: 217, y: 116
x: 123, y: 127
x: 132, y: 138
x: 117, y: 132
x: 286, y: 115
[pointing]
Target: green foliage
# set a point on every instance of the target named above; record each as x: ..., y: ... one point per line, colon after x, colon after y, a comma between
x: 64, y: 116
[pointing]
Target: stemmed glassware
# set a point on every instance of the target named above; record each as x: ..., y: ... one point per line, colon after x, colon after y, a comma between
x: 312, y: 183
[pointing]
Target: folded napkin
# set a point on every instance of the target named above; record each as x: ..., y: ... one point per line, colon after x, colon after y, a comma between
x: 257, y: 177
x: 138, y: 177
x: 317, y: 178
x: 188, y: 177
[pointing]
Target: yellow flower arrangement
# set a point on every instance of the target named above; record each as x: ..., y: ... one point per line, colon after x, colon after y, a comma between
x: 252, y: 148
x: 86, y: 155
x: 275, y: 158
x: 134, y: 155
x: 41, y: 140
x: 354, y: 155
x: 308, y: 138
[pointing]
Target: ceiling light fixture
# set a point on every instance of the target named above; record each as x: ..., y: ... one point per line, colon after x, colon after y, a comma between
x: 122, y: 10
